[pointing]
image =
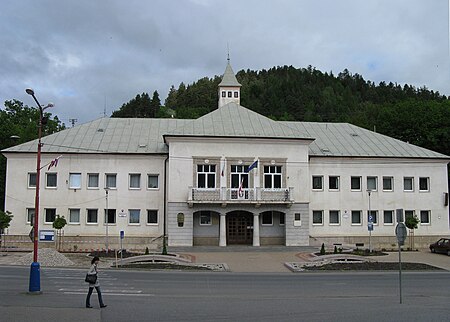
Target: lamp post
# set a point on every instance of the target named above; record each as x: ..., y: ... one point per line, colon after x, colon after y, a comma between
x: 35, y: 279
x: 370, y: 223
x: 106, y: 219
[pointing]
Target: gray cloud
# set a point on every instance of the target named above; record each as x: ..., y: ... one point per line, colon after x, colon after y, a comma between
x: 85, y: 55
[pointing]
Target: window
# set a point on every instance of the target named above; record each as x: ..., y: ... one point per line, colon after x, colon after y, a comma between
x: 32, y: 180
x: 372, y: 216
x: 51, y: 180
x: 92, y: 216
x: 135, y: 180
x: 408, y: 184
x: 239, y: 179
x: 236, y: 94
x: 205, y: 218
x: 372, y: 183
x: 334, y: 217
x: 135, y: 216
x: 297, y: 216
x: 74, y: 216
x: 388, y: 183
x: 355, y: 183
x: 74, y: 180
x: 317, y: 217
x: 230, y: 94
x: 206, y: 176
x: 424, y: 184
x: 425, y: 217
x: 272, y: 176
x: 111, y: 181
x: 50, y: 215
x: 111, y: 218
x: 333, y: 183
x: 282, y: 219
x: 267, y: 218
x: 152, y: 181
x: 152, y: 217
x: 224, y: 94
x: 356, y: 217
x: 409, y: 214
x: 92, y: 180
x: 317, y: 182
x: 388, y: 217
x: 30, y: 215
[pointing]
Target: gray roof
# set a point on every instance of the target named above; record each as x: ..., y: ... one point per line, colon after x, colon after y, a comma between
x: 228, y: 78
x: 145, y: 136
x: 233, y: 120
x: 348, y: 140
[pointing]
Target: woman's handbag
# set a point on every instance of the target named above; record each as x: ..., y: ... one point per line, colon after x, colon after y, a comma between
x: 91, y: 278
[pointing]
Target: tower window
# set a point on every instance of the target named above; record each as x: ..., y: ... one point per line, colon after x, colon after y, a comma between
x: 230, y: 93
x: 224, y: 94
x: 236, y: 94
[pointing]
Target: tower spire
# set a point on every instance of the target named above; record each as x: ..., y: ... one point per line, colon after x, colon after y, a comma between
x: 228, y: 53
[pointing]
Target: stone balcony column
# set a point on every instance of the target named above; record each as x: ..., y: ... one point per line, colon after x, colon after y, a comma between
x: 222, y: 231
x: 256, y: 230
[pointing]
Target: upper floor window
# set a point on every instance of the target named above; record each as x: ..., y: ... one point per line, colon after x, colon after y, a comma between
x: 32, y: 180
x: 74, y: 216
x: 236, y: 94
x: 152, y: 217
x: 317, y: 182
x: 317, y: 217
x: 356, y: 217
x: 75, y: 180
x: 239, y: 176
x: 135, y: 180
x: 135, y: 216
x: 206, y: 175
x: 355, y: 183
x: 230, y: 94
x: 408, y: 184
x: 152, y: 181
x: 110, y: 217
x: 50, y: 215
x: 224, y: 94
x: 388, y: 183
x: 334, y: 217
x: 92, y: 216
x: 92, y: 180
x: 424, y: 184
x: 333, y: 182
x: 409, y: 214
x: 51, y: 180
x: 425, y: 217
x: 272, y: 176
x: 372, y: 183
x: 111, y: 181
x: 388, y: 217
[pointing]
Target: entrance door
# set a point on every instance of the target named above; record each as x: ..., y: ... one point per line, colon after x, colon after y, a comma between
x: 239, y: 228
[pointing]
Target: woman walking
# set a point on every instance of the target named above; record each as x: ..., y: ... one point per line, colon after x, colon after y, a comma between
x: 93, y: 271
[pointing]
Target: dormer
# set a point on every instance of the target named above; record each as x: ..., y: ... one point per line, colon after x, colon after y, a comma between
x: 229, y: 88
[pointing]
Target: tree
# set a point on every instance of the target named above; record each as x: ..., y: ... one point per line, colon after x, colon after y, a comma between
x: 412, y: 222
x: 19, y: 124
x: 59, y: 223
x: 5, y: 219
x: 155, y: 104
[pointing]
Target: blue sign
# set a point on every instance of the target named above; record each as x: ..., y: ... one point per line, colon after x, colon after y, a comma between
x: 370, y: 226
x: 370, y: 218
x: 122, y: 234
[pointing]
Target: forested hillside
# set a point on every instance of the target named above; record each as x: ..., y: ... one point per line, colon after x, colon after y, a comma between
x: 416, y: 115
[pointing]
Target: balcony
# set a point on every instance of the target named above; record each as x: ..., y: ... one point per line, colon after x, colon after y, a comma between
x: 247, y: 195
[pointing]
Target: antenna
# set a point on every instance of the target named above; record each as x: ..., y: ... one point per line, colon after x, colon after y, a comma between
x: 228, y: 52
x: 104, y: 108
x: 73, y: 121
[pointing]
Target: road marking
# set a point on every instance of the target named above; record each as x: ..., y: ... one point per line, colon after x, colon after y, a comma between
x: 113, y: 294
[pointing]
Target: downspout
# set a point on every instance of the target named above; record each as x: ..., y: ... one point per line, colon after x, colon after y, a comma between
x: 164, y: 250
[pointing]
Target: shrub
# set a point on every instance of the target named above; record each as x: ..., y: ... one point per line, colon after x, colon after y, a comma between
x: 335, y: 249
x: 322, y: 249
x: 146, y: 251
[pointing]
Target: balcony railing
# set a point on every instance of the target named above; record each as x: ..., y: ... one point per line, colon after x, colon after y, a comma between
x: 254, y: 195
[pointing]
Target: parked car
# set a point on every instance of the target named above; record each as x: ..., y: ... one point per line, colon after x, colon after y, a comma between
x: 441, y: 246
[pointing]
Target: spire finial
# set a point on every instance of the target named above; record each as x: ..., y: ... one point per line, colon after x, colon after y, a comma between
x: 228, y: 51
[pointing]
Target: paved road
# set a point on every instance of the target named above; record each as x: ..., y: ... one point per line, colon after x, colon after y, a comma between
x: 206, y: 296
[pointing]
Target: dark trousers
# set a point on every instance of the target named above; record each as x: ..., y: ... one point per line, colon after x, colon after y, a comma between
x: 99, y: 293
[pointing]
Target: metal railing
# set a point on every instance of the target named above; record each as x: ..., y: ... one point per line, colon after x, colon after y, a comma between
x: 281, y: 195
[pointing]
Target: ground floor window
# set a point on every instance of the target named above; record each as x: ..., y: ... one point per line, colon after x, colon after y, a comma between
x: 135, y: 216
x: 30, y: 215
x: 267, y: 218
x: 388, y: 216
x: 50, y: 215
x: 425, y: 217
x: 356, y: 217
x: 74, y: 216
x: 152, y: 216
x: 205, y: 218
x: 317, y: 217
x: 110, y: 218
x: 334, y: 217
x: 92, y: 216
x: 372, y: 216
x: 282, y: 219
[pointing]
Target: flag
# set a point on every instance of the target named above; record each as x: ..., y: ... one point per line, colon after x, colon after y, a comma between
x: 252, y: 166
x: 241, y: 188
x: 53, y: 163
x: 223, y: 171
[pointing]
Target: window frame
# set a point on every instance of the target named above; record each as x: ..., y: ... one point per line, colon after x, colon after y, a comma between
x: 112, y: 175
x: 428, y: 222
x: 209, y: 172
x: 337, y: 183
x: 148, y: 217
x: 130, y: 180
x: 88, y: 181
x: 208, y: 216
x: 359, y: 183
x: 47, y: 174
x: 272, y: 176
x: 236, y: 94
x: 87, y: 216
x: 375, y: 180
x: 359, y: 223
x: 374, y: 215
x: 29, y: 181
x: 385, y: 212
x: 148, y: 181
x: 31, y: 212
x: 110, y: 211
x: 46, y: 213
x: 338, y: 217
x: 321, y: 182
x: 412, y: 184
x: 428, y: 184
x: 321, y: 217
x: 282, y: 222
x: 70, y: 222
x: 74, y: 175
x: 391, y: 180
x: 131, y: 213
x: 264, y: 216
x: 224, y: 94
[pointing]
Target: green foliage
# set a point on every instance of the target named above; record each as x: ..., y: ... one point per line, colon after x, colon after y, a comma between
x: 5, y: 219
x: 140, y: 107
x: 322, y: 249
x: 335, y: 250
x: 19, y: 124
x: 147, y: 251
x: 59, y: 222
x: 411, y: 222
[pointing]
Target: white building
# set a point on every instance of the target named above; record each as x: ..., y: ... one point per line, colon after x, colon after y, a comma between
x: 232, y: 176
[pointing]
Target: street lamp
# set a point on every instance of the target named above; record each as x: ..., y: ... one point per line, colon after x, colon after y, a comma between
x: 106, y: 219
x: 370, y: 222
x: 35, y: 279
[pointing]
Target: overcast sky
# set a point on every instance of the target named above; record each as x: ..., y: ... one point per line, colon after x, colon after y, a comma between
x: 86, y: 55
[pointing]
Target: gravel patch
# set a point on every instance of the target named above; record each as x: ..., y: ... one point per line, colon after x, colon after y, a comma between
x: 46, y: 257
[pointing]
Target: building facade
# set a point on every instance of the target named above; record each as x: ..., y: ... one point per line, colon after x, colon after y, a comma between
x: 230, y: 177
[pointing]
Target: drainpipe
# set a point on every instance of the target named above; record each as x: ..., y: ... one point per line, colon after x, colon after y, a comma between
x: 164, y: 250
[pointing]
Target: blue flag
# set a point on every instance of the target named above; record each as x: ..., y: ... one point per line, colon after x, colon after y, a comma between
x: 252, y: 166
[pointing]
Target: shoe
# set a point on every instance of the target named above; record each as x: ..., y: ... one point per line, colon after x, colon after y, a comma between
x: 88, y: 307
x: 103, y: 305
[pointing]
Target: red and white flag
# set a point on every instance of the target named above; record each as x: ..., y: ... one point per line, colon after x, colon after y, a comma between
x: 241, y: 189
x: 53, y: 163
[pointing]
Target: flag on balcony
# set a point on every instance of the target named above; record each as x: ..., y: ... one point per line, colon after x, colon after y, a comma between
x: 241, y: 188
x: 252, y: 166
x: 222, y: 173
x: 53, y: 163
